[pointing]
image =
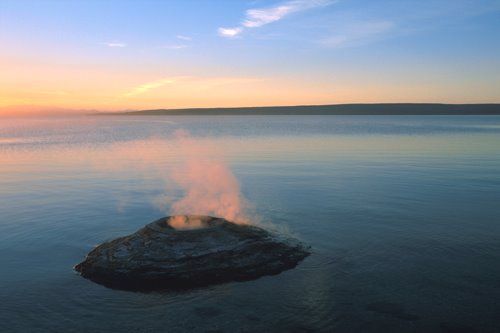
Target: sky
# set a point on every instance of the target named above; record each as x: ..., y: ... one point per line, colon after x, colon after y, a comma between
x: 129, y: 55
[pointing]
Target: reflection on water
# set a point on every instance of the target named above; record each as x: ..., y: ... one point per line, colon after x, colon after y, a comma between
x: 401, y: 213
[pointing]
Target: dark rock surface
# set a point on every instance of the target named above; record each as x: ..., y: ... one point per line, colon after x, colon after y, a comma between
x: 159, y: 257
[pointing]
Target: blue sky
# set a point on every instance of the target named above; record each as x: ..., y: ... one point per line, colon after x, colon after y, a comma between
x: 196, y: 53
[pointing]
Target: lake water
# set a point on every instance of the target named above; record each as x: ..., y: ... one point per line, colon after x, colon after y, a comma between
x: 402, y: 214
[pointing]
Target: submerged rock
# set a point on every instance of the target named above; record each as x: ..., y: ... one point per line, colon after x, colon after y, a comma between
x: 160, y: 257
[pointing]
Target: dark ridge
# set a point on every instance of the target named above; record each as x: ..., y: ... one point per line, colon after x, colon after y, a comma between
x: 335, y: 109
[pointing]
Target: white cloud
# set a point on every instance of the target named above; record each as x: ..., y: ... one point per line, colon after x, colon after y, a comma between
x: 230, y: 32
x: 182, y: 37
x: 258, y: 17
x: 115, y: 44
x: 176, y: 46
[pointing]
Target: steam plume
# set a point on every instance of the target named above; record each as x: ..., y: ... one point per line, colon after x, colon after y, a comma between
x: 209, y: 186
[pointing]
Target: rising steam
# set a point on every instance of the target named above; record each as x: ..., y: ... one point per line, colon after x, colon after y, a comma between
x: 208, y: 184
x: 197, y: 179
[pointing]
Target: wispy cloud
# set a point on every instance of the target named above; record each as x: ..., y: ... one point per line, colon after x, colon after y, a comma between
x: 359, y: 34
x: 191, y: 83
x: 181, y: 43
x: 208, y: 82
x: 258, y: 17
x: 182, y: 37
x: 175, y: 46
x: 148, y: 86
x: 115, y: 44
x: 355, y: 26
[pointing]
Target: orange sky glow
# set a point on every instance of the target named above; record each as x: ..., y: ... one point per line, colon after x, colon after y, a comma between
x: 110, y: 58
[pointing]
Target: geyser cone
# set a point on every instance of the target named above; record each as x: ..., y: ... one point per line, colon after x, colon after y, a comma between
x: 163, y: 255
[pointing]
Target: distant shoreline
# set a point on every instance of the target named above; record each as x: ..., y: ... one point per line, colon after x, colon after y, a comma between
x: 334, y: 109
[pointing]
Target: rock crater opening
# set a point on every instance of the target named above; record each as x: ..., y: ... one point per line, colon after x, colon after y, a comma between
x: 187, y: 251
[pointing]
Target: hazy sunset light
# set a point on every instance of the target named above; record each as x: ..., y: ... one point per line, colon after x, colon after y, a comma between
x: 127, y: 55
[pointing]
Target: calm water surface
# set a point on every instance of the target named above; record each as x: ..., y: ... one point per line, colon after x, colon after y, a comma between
x: 402, y: 213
